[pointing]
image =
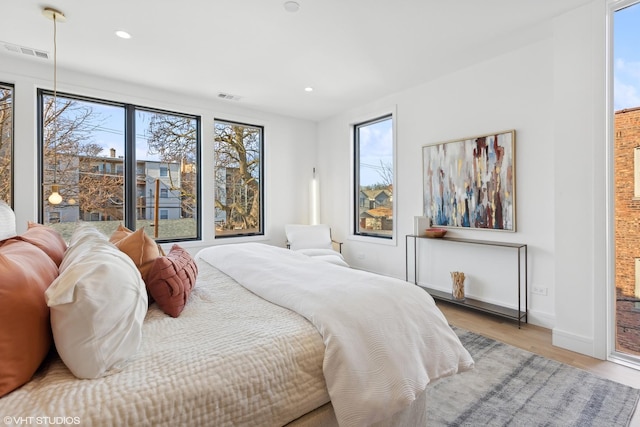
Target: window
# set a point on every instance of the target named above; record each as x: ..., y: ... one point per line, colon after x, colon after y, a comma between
x: 636, y: 172
x: 374, y: 173
x: 6, y: 143
x: 164, y: 214
x: 164, y: 171
x: 164, y: 193
x: 239, y: 198
x: 99, y: 177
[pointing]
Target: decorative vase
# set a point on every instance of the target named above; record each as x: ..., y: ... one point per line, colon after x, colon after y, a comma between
x: 457, y: 279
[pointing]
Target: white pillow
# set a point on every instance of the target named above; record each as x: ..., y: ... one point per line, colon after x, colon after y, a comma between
x: 308, y: 236
x: 82, y: 242
x: 98, y: 305
x: 7, y: 221
x: 328, y: 255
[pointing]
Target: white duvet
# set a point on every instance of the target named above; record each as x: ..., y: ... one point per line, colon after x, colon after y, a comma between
x: 385, y: 339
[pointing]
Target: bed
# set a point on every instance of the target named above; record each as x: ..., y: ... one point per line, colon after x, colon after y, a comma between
x: 233, y: 358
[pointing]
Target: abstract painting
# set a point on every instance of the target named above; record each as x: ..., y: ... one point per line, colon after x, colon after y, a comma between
x: 470, y: 183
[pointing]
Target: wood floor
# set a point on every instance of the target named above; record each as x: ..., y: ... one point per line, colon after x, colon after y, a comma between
x: 538, y: 340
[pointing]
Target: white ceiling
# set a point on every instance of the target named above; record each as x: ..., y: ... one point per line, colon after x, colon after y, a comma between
x: 350, y: 51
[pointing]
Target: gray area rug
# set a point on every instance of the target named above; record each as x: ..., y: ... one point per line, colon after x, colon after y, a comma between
x: 513, y: 387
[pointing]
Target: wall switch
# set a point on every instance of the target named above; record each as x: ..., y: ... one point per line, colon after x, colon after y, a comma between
x: 539, y: 290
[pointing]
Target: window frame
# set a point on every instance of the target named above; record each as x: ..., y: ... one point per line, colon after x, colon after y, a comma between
x: 261, y: 230
x: 129, y: 159
x: 11, y: 87
x: 369, y: 119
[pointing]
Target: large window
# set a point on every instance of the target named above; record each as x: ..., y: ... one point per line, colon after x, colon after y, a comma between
x: 239, y: 184
x: 107, y: 160
x: 6, y: 143
x: 374, y: 172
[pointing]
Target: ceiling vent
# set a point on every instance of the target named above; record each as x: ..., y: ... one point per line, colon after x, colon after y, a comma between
x: 229, y: 96
x: 25, y: 50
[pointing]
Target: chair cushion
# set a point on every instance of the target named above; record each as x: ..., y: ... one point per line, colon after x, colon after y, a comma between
x: 308, y: 236
x: 25, y: 334
x: 171, y: 279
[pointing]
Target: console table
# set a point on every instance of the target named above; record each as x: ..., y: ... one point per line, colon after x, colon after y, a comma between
x: 519, y: 314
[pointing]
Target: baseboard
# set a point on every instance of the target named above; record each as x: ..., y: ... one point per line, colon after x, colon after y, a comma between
x: 539, y: 318
x: 573, y: 342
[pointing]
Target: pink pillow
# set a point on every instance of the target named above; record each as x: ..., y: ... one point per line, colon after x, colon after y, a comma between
x: 25, y: 334
x: 171, y: 279
x: 45, y: 238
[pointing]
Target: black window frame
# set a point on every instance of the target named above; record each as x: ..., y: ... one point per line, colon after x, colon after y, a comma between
x: 261, y: 231
x: 11, y: 87
x: 129, y: 161
x: 356, y: 176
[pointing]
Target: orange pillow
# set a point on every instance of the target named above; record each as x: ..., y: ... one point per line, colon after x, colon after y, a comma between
x: 47, y: 239
x: 141, y: 248
x: 25, y: 335
x: 119, y: 234
x: 171, y: 279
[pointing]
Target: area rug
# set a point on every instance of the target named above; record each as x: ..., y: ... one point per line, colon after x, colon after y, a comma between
x: 513, y: 387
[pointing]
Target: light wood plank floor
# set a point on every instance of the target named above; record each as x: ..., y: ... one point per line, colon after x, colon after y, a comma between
x: 538, y: 340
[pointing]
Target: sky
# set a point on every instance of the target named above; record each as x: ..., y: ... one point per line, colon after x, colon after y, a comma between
x: 376, y: 146
x: 626, y: 58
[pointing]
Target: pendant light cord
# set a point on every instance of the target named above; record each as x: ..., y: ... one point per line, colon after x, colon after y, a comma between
x: 55, y: 100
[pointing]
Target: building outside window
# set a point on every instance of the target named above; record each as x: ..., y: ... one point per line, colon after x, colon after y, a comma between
x: 374, y: 177
x: 239, y: 201
x: 101, y: 180
x: 6, y: 143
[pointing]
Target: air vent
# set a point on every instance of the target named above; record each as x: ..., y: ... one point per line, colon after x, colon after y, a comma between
x: 229, y: 96
x: 25, y: 50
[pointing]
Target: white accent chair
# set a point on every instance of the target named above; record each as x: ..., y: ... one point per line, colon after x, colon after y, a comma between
x: 314, y: 241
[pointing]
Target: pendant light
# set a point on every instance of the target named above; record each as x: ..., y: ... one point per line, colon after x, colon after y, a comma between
x: 56, y: 16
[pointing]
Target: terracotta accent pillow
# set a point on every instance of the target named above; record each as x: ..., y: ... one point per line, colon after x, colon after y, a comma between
x: 171, y: 279
x: 47, y: 239
x: 120, y: 233
x: 25, y: 334
x: 141, y: 248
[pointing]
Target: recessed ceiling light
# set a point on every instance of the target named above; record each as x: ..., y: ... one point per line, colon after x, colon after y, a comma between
x: 291, y: 6
x: 123, y: 34
x: 308, y: 89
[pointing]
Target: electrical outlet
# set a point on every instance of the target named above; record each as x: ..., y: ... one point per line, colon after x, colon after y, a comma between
x: 538, y: 290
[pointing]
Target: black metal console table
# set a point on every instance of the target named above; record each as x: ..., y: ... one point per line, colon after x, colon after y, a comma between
x: 519, y: 314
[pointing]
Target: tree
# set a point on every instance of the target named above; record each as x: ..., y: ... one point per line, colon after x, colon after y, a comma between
x: 6, y: 142
x: 174, y: 139
x: 68, y: 151
x: 238, y: 155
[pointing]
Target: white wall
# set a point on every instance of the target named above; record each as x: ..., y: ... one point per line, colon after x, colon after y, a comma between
x: 580, y: 167
x: 552, y: 93
x: 513, y: 91
x: 289, y: 143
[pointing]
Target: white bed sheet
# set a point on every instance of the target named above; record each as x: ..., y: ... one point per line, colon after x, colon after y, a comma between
x: 231, y: 358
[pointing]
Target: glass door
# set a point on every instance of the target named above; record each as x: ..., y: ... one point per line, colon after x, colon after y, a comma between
x: 626, y: 179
